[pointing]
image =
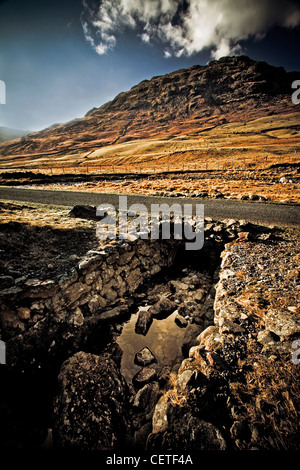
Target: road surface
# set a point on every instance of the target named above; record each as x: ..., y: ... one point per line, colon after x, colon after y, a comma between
x: 257, y: 212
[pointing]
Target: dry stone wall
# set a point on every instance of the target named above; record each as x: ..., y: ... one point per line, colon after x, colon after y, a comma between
x: 40, y: 317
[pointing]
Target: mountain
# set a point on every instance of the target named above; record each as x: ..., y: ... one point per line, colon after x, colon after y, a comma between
x: 232, y: 89
x: 7, y: 134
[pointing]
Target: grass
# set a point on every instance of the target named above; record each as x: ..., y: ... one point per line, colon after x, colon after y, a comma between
x: 268, y: 399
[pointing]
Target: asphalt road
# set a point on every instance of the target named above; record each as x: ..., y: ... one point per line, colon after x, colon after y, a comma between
x: 257, y: 212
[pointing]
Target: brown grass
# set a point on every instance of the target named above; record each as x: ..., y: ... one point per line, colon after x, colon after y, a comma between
x: 269, y: 399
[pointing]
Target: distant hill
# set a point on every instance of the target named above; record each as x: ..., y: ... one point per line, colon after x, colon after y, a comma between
x: 7, y: 134
x: 232, y: 89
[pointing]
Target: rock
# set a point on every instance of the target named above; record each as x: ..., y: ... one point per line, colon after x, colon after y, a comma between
x: 200, y: 295
x: 146, y: 397
x: 227, y: 326
x: 186, y: 432
x: 11, y: 324
x: 179, y: 285
x: 266, y: 337
x: 67, y: 279
x: 253, y: 197
x: 160, y: 418
x: 155, y: 270
x: 23, y: 313
x: 35, y: 288
x: 125, y: 257
x: 111, y: 314
x: 134, y: 279
x: 210, y: 339
x: 283, y: 180
x: 77, y: 318
x: 243, y: 236
x: 96, y: 303
x: 144, y: 376
x: 216, y: 361
x: 181, y: 321
x: 75, y: 291
x: 90, y: 263
x: 89, y: 408
x: 84, y: 212
x: 183, y: 379
x: 230, y: 222
x: 190, y: 337
x: 218, y: 228
x: 144, y: 357
x: 282, y: 324
x: 162, y: 308
x: 164, y: 375
x: 144, y: 320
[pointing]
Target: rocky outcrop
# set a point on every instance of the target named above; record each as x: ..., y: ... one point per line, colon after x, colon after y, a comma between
x: 90, y: 406
x: 240, y: 382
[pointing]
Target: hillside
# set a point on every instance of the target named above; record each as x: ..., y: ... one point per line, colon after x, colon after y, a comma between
x: 186, y: 103
x: 7, y: 134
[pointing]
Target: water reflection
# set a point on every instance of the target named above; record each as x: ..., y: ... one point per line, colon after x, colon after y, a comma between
x: 164, y: 338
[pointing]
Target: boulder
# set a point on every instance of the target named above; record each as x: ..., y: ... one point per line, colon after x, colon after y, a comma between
x: 84, y: 212
x: 144, y: 357
x: 178, y: 434
x: 146, y: 397
x: 90, y: 405
x: 144, y: 376
x: 163, y: 308
x: 144, y: 321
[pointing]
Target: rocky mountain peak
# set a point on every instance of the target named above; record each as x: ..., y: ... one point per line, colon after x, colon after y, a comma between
x: 225, y: 90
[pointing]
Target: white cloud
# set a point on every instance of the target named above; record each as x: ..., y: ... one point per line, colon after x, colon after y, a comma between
x: 145, y: 37
x: 186, y: 27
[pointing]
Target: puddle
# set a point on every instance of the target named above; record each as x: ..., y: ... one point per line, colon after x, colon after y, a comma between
x: 164, y: 338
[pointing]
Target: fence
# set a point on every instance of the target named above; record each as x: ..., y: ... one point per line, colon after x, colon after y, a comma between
x: 214, y: 164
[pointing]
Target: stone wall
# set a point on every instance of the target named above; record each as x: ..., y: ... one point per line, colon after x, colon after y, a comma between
x: 40, y: 319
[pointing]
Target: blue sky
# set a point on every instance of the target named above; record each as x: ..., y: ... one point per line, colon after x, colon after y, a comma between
x: 60, y: 58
